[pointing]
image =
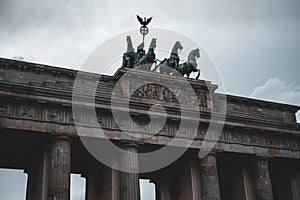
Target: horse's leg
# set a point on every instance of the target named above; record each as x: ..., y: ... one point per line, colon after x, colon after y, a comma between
x: 165, y: 69
x: 162, y: 69
x: 198, y: 74
x: 148, y: 67
x: 128, y: 62
x: 160, y: 66
x: 169, y: 71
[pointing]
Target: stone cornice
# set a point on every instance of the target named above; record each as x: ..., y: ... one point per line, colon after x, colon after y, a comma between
x: 24, y: 96
x: 71, y: 74
x: 262, y: 103
x: 57, y: 89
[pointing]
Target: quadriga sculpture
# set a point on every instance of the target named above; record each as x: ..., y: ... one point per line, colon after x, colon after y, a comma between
x: 168, y: 65
x: 190, y: 65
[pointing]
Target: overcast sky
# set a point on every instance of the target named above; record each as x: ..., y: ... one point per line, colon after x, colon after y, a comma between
x: 255, y: 44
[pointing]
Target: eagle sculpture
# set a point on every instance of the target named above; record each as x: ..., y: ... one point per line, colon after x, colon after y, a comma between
x: 144, y: 22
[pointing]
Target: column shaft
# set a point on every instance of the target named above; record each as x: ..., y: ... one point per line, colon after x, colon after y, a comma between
x: 59, y: 169
x: 92, y: 184
x: 295, y: 180
x: 129, y: 177
x: 210, y: 180
x: 263, y: 182
x: 157, y: 191
x: 38, y: 176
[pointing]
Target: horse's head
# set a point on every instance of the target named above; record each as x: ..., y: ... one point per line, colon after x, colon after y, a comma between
x: 197, y: 53
x: 128, y: 39
x: 177, y: 46
x: 153, y: 43
x: 194, y: 54
x: 129, y: 44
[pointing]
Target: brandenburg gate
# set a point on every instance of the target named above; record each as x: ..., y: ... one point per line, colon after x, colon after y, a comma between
x: 256, y: 155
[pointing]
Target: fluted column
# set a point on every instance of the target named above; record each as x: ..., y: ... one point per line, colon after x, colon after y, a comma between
x: 59, y: 169
x: 263, y: 185
x: 129, y: 180
x: 210, y: 180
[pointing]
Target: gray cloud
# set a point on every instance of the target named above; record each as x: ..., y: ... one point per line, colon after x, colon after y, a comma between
x: 277, y: 90
x: 250, y: 41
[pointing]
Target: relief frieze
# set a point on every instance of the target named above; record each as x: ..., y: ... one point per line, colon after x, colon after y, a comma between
x: 53, y: 114
x: 159, y: 92
x: 3, y: 110
x: 27, y: 111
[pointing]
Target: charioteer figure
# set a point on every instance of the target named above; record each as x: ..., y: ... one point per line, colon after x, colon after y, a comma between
x: 140, y: 52
x: 146, y: 62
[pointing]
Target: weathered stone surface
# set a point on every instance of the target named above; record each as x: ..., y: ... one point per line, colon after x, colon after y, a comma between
x: 60, y: 169
x: 37, y: 100
x: 210, y: 180
x: 129, y: 177
x: 263, y: 182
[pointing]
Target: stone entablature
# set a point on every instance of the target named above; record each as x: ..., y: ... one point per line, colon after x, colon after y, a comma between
x: 50, y: 118
x: 41, y: 102
x: 42, y: 80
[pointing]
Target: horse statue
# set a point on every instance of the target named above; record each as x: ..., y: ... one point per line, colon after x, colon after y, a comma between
x: 129, y: 55
x: 190, y: 65
x: 168, y: 65
x: 148, y: 59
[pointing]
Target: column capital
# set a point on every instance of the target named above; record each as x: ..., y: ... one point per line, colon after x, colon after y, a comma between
x: 212, y: 153
x: 263, y: 157
x: 61, y: 137
x: 125, y: 144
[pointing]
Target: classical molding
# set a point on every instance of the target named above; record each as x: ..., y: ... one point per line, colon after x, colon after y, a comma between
x: 48, y: 113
